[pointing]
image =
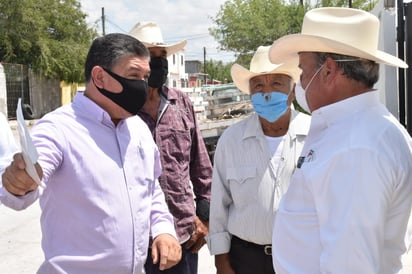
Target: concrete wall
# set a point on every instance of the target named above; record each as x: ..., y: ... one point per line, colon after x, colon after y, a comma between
x: 45, y: 94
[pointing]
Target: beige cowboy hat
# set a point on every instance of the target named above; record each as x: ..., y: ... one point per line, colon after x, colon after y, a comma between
x: 260, y: 65
x: 343, y: 31
x: 150, y: 35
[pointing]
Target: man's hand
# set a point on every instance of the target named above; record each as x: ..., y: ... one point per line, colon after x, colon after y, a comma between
x: 15, y: 178
x: 222, y: 263
x: 197, y: 240
x: 166, y: 251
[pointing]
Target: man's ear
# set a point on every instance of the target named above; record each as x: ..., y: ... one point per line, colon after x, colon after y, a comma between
x: 98, y: 76
x: 330, y: 70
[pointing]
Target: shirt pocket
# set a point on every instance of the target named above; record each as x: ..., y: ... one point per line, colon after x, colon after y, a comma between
x: 243, y: 184
x: 175, y: 147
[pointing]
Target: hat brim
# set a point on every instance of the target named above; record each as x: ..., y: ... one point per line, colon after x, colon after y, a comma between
x: 170, y: 48
x: 242, y: 76
x: 287, y: 48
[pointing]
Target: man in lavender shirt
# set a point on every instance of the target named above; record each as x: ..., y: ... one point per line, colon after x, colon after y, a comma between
x: 170, y: 116
x: 100, y: 166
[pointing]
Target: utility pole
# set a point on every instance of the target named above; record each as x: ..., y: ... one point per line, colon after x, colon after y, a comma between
x: 103, y: 22
x: 204, y: 64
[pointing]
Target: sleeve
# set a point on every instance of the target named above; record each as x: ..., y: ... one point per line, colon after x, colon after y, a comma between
x: 160, y: 218
x: 200, y: 169
x: 8, y: 148
x: 47, y: 140
x: 18, y: 203
x: 218, y: 239
x: 354, y: 198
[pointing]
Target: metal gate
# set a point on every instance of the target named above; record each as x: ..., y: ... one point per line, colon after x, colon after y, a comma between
x: 17, y: 85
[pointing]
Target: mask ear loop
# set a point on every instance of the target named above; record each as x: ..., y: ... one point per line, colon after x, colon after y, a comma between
x: 313, y: 77
x: 292, y: 88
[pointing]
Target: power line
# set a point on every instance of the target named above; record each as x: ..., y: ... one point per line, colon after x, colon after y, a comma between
x: 108, y: 20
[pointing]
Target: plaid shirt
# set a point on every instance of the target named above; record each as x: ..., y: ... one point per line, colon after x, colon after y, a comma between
x: 185, y: 160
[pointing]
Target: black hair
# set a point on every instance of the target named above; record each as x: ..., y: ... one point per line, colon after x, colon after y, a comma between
x: 105, y: 51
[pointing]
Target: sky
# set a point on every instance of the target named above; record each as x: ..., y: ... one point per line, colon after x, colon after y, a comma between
x: 178, y: 20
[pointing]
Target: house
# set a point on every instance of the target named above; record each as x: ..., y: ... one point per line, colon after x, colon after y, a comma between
x: 177, y: 73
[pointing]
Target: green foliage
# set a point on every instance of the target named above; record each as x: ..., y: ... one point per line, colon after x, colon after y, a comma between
x: 218, y: 70
x: 50, y: 36
x: 242, y: 26
x: 358, y: 4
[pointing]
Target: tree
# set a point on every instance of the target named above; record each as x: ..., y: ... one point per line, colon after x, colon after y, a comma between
x: 217, y: 70
x: 242, y: 26
x: 357, y: 4
x: 50, y: 36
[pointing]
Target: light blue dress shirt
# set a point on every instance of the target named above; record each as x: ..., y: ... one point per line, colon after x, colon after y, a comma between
x: 102, y: 198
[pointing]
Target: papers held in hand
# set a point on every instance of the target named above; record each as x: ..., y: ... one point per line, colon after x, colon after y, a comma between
x: 28, y: 149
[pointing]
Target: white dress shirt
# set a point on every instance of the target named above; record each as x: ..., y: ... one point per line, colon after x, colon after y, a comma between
x: 7, y: 143
x: 348, y: 204
x: 246, y: 186
x: 102, y: 198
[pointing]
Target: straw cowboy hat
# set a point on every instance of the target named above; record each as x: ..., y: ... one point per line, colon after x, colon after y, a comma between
x: 343, y: 31
x: 260, y: 65
x: 150, y: 35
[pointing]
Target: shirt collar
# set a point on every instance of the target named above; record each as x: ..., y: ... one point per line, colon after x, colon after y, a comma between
x: 253, y: 128
x: 333, y: 113
x: 299, y: 125
x: 169, y: 93
x: 90, y: 109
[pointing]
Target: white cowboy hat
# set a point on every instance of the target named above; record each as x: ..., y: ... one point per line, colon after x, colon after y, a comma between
x: 260, y: 65
x: 343, y: 31
x: 150, y: 35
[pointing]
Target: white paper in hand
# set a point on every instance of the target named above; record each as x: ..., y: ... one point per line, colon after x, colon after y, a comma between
x: 29, y: 151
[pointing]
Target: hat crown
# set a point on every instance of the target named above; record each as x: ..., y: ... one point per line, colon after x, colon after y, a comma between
x: 261, y: 65
x: 343, y: 25
x: 260, y: 62
x: 343, y: 31
x: 150, y: 35
x: 148, y: 32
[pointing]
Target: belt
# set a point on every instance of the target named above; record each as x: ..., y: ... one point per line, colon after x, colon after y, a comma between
x: 267, y: 249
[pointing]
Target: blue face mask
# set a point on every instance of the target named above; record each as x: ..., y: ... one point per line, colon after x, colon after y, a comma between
x: 270, y: 105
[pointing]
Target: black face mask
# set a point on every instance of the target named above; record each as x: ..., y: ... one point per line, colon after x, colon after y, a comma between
x: 133, y: 95
x: 158, y: 72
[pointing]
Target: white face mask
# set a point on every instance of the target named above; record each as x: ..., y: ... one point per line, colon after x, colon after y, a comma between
x: 300, y: 92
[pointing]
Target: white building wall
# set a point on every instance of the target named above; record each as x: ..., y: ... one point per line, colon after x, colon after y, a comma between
x: 388, y: 76
x: 3, y: 91
x: 176, y: 69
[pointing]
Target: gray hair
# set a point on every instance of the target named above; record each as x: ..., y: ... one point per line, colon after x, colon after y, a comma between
x: 358, y: 69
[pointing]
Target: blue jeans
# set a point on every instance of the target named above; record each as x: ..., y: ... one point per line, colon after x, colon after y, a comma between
x: 188, y: 264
